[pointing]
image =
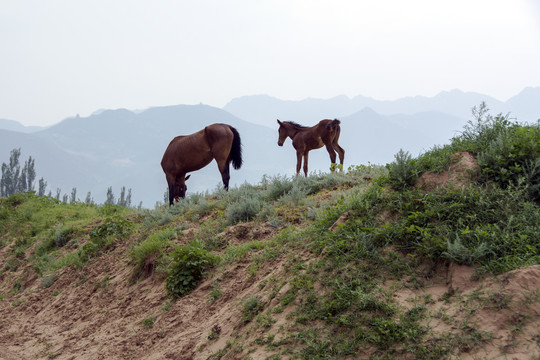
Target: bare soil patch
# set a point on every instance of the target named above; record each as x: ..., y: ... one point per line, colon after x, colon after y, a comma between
x: 462, y: 169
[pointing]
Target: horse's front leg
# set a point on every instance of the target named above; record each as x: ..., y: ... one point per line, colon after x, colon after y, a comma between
x: 298, y: 161
x: 306, y: 163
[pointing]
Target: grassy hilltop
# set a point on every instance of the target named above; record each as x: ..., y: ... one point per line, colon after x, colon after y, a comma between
x: 427, y: 258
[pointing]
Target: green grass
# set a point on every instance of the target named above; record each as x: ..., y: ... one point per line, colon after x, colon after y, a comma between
x: 51, y: 234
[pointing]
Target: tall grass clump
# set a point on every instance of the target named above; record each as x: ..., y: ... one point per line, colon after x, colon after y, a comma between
x: 148, y: 255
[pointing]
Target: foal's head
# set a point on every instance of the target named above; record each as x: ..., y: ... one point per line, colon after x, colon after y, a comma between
x: 287, y: 128
x: 282, y: 133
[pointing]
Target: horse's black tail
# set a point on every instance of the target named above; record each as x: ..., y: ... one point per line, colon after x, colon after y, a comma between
x: 236, y: 149
x: 334, y: 124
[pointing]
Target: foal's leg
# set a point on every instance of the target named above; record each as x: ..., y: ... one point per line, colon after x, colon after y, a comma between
x: 298, y: 161
x: 338, y: 148
x: 332, y: 154
x: 341, y: 154
x: 305, y: 162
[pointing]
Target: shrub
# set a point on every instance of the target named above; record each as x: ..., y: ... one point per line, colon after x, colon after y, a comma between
x: 62, y: 235
x: 252, y: 307
x: 243, y: 210
x: 507, y: 151
x: 148, y: 322
x: 112, y: 226
x: 531, y: 174
x: 493, y: 227
x: 58, y: 239
x: 47, y: 281
x: 461, y: 254
x: 103, y: 236
x: 188, y: 265
x: 276, y: 187
x: 511, y: 155
x: 15, y: 199
x: 402, y: 172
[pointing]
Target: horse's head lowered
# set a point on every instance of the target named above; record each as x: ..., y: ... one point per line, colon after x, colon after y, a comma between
x: 182, y: 188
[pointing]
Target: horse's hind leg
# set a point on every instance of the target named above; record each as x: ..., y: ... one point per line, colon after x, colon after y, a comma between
x: 224, y: 169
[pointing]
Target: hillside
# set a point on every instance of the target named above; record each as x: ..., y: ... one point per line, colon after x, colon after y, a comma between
x: 280, y: 291
x: 427, y: 258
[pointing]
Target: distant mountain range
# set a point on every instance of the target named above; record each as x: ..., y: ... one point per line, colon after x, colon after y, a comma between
x: 124, y: 148
x: 262, y: 109
x: 16, y: 126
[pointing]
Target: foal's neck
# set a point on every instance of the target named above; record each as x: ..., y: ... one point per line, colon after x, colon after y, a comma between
x: 294, y: 131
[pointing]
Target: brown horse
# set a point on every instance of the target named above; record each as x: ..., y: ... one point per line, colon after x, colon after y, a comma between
x: 193, y: 152
x: 304, y: 139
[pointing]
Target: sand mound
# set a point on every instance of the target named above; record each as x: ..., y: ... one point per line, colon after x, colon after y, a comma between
x: 461, y: 170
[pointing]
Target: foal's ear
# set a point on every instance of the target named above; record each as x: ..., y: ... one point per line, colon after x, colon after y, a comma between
x: 279, y: 122
x: 187, y: 177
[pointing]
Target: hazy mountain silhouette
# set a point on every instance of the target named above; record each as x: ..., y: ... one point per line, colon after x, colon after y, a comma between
x: 58, y: 167
x: 16, y: 126
x: 370, y: 137
x: 263, y: 109
x: 525, y: 105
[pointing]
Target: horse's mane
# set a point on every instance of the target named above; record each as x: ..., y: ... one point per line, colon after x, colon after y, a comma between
x: 295, y: 124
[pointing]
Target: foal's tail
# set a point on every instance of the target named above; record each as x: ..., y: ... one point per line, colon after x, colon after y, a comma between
x: 236, y: 150
x: 334, y: 124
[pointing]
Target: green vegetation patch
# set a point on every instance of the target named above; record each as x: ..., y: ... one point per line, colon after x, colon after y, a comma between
x: 187, y: 267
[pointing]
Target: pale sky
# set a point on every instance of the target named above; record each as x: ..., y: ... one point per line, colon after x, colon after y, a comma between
x: 59, y: 58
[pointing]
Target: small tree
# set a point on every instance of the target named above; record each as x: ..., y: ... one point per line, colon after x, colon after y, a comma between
x: 89, y: 199
x: 128, y: 198
x: 30, y: 173
x: 27, y: 177
x: 10, y: 174
x: 13, y: 178
x: 110, y: 196
x: 42, y: 187
x: 124, y: 200
x: 73, y: 196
